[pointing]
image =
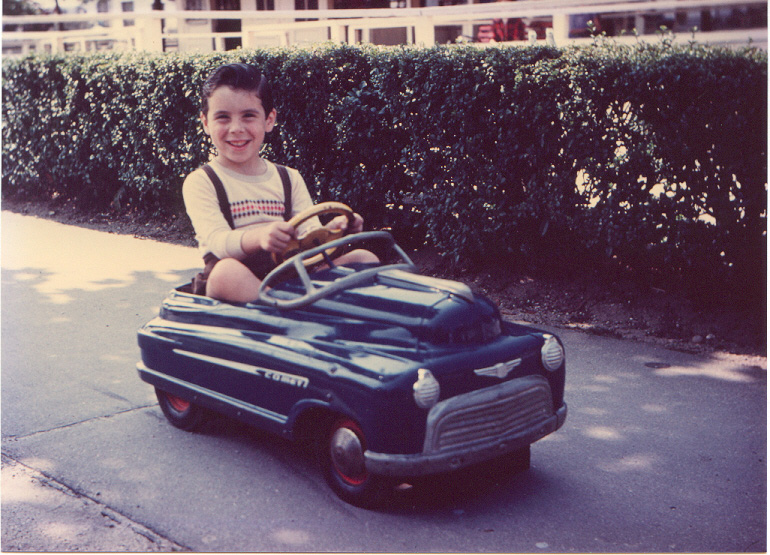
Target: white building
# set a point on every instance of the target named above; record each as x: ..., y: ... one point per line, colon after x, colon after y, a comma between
x: 196, y: 25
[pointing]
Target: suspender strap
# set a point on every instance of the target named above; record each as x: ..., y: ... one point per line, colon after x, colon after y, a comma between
x: 284, y: 173
x: 224, y: 204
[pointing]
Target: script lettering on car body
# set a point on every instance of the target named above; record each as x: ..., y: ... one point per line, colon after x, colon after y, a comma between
x: 288, y: 379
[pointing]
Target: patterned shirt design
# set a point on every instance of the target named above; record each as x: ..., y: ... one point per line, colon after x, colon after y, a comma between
x: 250, y: 208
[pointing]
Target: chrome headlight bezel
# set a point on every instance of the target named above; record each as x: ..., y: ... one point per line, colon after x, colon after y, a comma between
x: 552, y: 353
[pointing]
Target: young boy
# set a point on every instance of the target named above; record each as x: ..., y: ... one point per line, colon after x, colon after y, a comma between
x: 237, y: 112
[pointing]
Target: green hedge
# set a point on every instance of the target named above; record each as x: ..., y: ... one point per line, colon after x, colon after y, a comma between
x: 648, y: 159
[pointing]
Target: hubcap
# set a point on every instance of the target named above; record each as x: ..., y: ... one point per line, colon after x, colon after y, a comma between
x: 347, y: 454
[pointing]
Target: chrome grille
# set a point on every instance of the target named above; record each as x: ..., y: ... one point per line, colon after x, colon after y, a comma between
x: 503, y: 411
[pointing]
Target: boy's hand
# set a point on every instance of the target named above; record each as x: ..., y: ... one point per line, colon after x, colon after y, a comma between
x: 272, y: 237
x: 341, y: 223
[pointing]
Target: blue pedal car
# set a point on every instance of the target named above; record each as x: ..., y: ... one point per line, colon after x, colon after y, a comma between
x: 393, y: 374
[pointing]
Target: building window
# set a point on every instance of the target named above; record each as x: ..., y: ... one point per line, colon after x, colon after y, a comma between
x: 102, y: 6
x: 228, y: 25
x: 360, y: 4
x: 127, y: 7
x: 305, y: 5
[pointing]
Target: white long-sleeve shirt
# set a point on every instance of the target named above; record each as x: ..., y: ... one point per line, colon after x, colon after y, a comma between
x: 254, y: 201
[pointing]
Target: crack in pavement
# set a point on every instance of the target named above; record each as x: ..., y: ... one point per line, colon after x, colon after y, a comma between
x: 9, y: 438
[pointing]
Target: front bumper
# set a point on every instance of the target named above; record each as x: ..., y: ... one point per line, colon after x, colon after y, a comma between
x: 476, y: 427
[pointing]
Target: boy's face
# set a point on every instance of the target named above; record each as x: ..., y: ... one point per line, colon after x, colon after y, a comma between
x: 237, y: 124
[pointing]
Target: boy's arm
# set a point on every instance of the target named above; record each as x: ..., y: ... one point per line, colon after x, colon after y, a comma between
x: 272, y: 237
x: 341, y: 222
x: 212, y: 231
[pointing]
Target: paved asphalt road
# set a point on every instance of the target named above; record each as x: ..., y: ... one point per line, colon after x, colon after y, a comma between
x: 662, y: 451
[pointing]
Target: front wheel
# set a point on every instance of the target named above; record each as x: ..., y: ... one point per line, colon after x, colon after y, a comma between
x: 181, y: 413
x: 344, y: 466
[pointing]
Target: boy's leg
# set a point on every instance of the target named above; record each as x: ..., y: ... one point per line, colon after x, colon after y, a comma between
x: 358, y: 255
x: 230, y: 280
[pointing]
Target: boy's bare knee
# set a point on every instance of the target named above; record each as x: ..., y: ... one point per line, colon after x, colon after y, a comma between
x: 361, y: 256
x: 230, y: 280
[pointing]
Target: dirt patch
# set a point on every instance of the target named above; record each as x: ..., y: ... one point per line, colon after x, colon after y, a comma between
x: 622, y: 310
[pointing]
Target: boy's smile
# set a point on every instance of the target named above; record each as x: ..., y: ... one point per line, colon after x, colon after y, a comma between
x: 237, y: 124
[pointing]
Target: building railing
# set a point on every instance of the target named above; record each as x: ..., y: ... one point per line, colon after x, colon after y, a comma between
x: 171, y: 30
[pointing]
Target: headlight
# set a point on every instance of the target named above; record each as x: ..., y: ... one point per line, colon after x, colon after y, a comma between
x: 426, y: 389
x: 552, y: 352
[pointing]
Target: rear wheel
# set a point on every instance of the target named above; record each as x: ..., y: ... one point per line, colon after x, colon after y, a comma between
x: 342, y: 459
x: 181, y: 413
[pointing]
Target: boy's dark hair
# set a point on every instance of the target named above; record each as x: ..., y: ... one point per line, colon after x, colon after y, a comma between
x: 240, y: 77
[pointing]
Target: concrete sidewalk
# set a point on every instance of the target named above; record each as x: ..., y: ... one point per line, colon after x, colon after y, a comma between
x: 39, y: 514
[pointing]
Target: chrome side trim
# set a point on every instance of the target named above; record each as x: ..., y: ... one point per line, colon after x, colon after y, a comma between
x: 282, y: 377
x: 208, y: 397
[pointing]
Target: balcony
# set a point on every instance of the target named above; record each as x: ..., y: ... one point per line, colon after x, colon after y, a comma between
x: 252, y: 23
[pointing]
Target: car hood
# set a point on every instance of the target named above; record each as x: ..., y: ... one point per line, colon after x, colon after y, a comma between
x: 403, y: 317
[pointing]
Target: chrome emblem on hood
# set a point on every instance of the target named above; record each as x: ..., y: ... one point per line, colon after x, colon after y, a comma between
x: 500, y: 370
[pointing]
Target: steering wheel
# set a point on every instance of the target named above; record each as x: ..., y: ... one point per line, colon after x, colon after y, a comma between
x: 271, y: 295
x: 316, y: 237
